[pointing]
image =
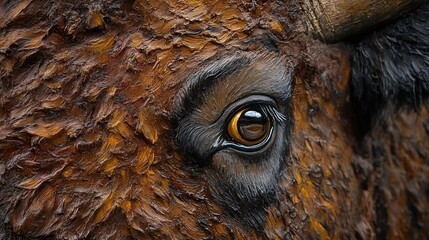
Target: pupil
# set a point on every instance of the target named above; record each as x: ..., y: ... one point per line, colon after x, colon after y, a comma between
x: 252, y: 125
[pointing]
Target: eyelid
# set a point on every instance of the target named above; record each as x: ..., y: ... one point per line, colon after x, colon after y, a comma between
x: 244, y: 102
x: 223, y: 143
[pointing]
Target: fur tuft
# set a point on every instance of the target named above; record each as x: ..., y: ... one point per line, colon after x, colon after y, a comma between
x: 390, y: 67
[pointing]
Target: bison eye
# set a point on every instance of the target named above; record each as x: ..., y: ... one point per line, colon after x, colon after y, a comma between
x: 233, y: 120
x: 250, y: 127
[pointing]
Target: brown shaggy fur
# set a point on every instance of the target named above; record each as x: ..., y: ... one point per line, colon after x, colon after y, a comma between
x: 87, y: 145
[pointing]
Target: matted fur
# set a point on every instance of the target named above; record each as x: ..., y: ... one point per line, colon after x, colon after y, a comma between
x: 87, y: 146
x: 390, y: 66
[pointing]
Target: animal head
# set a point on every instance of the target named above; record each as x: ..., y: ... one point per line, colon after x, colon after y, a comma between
x: 210, y: 119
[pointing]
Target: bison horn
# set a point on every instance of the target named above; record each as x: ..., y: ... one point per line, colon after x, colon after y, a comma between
x: 333, y: 20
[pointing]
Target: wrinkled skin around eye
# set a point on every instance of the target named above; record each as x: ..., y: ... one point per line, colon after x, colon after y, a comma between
x: 246, y: 172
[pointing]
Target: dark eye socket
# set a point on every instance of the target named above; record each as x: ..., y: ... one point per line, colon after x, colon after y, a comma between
x: 249, y: 126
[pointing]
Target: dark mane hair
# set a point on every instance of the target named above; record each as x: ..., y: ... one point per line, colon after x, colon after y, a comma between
x: 390, y: 67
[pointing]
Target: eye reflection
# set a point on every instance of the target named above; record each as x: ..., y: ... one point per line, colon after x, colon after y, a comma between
x: 249, y: 126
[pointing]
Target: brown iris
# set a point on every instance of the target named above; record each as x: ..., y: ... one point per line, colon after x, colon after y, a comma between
x: 249, y: 126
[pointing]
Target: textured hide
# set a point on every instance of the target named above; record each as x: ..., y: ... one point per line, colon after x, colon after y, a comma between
x: 88, y: 146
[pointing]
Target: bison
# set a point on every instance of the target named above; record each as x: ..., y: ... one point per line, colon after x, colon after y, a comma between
x: 172, y: 119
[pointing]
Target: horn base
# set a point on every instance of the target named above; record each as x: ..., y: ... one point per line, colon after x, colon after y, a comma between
x: 334, y: 20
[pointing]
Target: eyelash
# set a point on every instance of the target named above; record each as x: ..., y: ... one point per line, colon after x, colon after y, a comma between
x: 269, y: 110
